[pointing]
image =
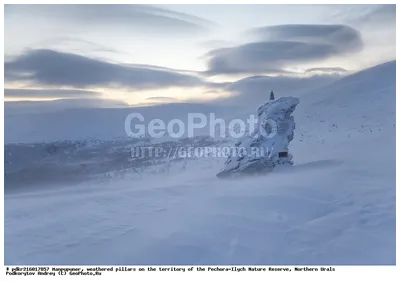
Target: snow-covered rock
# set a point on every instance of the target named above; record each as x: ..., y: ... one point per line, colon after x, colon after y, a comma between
x: 267, y: 145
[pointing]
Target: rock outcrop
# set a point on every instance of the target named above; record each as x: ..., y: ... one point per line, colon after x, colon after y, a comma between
x: 267, y: 146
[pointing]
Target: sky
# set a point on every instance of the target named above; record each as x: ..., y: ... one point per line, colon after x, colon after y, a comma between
x: 151, y: 54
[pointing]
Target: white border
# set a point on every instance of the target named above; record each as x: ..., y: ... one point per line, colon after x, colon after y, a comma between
x: 342, y: 273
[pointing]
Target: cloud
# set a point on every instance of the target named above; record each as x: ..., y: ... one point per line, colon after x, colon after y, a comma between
x: 374, y: 15
x: 50, y: 93
x: 76, y: 45
x: 162, y: 99
x: 282, y: 46
x: 130, y: 17
x: 341, y: 36
x: 52, y: 68
x: 382, y: 13
x: 152, y: 67
x: 327, y: 70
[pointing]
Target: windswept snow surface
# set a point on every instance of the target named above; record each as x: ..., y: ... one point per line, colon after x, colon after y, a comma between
x: 335, y: 206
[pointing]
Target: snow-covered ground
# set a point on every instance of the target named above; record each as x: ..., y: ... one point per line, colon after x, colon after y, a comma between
x: 335, y: 206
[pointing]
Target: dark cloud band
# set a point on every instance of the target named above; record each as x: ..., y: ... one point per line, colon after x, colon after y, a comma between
x: 51, y: 68
x: 285, y: 45
x: 340, y: 36
x: 50, y: 93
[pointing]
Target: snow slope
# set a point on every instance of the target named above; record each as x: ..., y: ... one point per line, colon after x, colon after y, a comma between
x: 335, y: 206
